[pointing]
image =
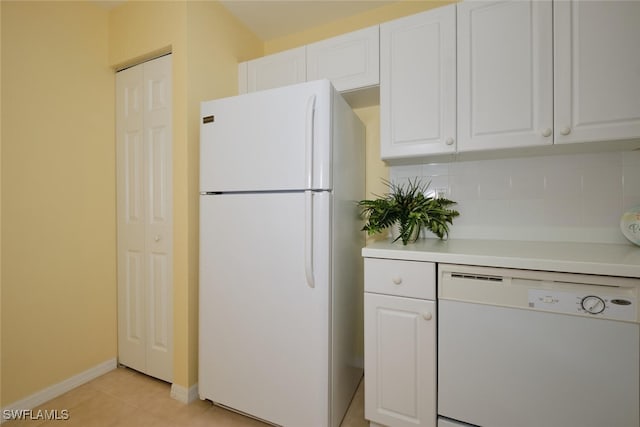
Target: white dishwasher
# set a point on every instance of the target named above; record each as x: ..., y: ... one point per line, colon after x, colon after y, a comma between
x: 522, y: 348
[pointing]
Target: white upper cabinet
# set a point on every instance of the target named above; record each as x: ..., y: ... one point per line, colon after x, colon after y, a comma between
x: 350, y: 61
x: 418, y: 84
x: 505, y: 74
x: 540, y: 72
x: 279, y: 69
x: 596, y: 70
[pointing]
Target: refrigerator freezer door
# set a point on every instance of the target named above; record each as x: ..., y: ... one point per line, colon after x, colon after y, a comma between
x: 278, y: 139
x: 264, y: 331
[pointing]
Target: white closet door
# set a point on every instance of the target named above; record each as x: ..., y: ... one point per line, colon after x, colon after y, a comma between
x: 131, y: 217
x: 144, y: 134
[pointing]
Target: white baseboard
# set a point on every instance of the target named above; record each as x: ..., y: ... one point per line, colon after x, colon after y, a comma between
x: 184, y: 395
x: 60, y: 388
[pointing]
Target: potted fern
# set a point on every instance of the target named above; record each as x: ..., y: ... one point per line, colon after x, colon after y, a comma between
x: 409, y: 207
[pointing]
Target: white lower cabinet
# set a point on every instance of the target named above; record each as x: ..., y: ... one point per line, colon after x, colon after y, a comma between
x: 400, y: 344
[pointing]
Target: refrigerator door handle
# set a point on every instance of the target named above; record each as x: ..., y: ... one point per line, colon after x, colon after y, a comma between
x: 311, y: 106
x: 308, y: 239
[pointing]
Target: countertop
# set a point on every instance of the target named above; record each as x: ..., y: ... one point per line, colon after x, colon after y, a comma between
x: 585, y: 258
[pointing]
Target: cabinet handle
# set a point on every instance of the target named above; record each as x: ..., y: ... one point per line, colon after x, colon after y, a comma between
x: 565, y: 130
x: 546, y: 133
x: 449, y: 141
x: 397, y: 280
x: 427, y: 315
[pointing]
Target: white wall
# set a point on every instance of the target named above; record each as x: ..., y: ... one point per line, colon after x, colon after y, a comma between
x: 554, y: 198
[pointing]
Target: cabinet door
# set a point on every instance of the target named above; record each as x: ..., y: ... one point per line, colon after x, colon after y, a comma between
x: 505, y: 84
x: 243, y: 76
x: 350, y: 61
x: 400, y: 361
x: 596, y: 70
x: 279, y: 69
x: 418, y: 84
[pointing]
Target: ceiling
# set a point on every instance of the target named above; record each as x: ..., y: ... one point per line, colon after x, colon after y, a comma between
x: 270, y: 19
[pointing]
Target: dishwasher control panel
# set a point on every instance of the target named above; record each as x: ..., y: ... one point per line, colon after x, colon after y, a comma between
x: 602, y: 297
x: 616, y: 307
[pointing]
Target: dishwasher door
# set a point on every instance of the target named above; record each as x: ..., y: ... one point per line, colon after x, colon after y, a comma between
x: 517, y: 363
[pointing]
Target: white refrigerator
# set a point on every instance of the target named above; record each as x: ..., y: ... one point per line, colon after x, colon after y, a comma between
x: 280, y: 301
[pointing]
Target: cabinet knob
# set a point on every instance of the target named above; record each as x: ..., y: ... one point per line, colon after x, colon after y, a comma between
x: 565, y: 130
x: 449, y: 141
x: 427, y: 315
x: 397, y: 280
x: 546, y: 133
x: 157, y: 237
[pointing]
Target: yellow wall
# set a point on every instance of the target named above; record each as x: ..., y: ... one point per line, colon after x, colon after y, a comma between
x: 0, y: 210
x: 206, y: 42
x: 58, y: 306
x: 375, y: 16
x: 58, y: 195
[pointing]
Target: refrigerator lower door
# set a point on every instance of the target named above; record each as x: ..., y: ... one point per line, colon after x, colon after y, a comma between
x: 264, y: 329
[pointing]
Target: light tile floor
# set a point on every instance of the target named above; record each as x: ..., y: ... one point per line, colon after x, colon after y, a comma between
x: 126, y: 398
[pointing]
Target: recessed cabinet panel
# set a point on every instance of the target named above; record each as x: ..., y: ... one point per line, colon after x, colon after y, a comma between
x: 280, y: 69
x: 397, y: 332
x: 596, y: 70
x: 418, y: 84
x: 505, y: 84
x: 349, y: 61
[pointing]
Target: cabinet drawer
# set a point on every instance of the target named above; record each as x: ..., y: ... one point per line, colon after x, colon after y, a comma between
x: 402, y: 278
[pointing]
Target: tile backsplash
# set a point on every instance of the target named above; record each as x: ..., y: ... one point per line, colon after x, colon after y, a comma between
x: 577, y: 197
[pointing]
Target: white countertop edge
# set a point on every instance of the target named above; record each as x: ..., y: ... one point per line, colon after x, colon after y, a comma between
x: 584, y: 258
